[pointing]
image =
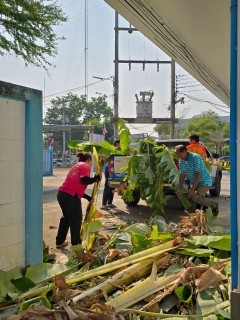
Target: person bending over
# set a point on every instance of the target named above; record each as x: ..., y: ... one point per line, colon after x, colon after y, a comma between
x: 191, y: 165
x: 69, y: 198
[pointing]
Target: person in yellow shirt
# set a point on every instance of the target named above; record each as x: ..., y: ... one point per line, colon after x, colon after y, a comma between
x: 196, y: 146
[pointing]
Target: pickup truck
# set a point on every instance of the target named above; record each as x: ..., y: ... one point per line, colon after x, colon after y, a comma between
x: 117, y: 174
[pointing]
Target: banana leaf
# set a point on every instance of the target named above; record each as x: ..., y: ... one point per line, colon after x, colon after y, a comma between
x: 125, y: 135
x: 216, y: 242
x: 99, y: 167
x: 5, y: 280
x: 87, y: 233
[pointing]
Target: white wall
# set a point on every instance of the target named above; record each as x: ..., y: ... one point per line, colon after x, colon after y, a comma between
x: 12, y: 194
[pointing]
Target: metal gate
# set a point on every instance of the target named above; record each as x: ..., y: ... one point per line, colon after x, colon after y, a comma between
x: 48, y: 162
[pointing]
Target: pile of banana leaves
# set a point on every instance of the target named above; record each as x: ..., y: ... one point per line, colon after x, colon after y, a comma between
x: 151, y: 270
x: 144, y: 271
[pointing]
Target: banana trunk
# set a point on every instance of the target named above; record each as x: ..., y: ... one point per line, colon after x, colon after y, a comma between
x: 127, y: 276
x: 152, y: 252
x: 143, y: 290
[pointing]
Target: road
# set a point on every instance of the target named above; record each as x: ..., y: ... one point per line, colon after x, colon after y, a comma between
x: 141, y: 212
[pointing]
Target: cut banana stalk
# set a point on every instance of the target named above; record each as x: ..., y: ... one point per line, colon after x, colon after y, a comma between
x: 130, y: 274
x: 156, y: 252
x: 143, y: 290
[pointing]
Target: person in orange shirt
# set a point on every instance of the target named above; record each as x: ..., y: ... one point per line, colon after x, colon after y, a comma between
x: 196, y: 146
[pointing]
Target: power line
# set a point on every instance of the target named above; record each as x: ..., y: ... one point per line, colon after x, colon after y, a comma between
x: 215, y: 105
x: 80, y: 18
x: 69, y: 4
x: 74, y: 89
x: 190, y: 86
x: 71, y: 55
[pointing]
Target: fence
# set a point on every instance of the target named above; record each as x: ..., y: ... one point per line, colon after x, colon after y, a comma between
x: 48, y: 162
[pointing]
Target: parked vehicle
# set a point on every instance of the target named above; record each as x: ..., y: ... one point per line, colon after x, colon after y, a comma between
x: 117, y: 174
x: 59, y: 163
x: 215, y: 172
x: 68, y: 162
x: 225, y: 158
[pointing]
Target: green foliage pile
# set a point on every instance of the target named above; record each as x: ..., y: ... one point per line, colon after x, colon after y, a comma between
x: 148, y: 169
x: 162, y: 275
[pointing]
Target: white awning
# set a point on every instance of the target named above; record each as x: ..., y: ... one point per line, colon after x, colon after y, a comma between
x: 194, y: 33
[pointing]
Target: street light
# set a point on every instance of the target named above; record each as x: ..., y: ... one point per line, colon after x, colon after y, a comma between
x: 111, y: 78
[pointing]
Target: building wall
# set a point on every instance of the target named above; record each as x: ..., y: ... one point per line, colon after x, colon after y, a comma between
x: 21, y: 164
x: 12, y: 190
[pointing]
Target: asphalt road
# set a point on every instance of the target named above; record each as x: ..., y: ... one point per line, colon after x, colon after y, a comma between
x: 122, y: 214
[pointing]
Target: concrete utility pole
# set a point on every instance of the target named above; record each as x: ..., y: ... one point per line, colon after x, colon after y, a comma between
x: 172, y: 107
x: 116, y: 82
x: 140, y: 119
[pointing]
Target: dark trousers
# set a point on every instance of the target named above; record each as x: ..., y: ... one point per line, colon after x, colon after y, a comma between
x: 107, y: 192
x: 72, y: 218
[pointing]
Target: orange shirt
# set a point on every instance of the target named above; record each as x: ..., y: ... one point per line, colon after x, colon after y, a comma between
x: 198, y: 148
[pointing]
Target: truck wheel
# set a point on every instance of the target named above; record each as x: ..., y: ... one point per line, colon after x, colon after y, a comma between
x: 215, y: 192
x: 136, y: 198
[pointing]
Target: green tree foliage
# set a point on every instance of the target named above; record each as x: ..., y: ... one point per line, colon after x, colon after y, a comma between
x: 226, y: 130
x: 74, y: 109
x: 80, y: 112
x: 163, y: 130
x: 27, y: 30
x: 208, y: 126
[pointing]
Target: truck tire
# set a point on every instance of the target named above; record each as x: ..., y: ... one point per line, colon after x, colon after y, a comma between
x: 136, y: 198
x: 215, y: 192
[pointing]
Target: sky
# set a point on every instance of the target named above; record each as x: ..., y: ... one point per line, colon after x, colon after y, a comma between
x: 68, y: 75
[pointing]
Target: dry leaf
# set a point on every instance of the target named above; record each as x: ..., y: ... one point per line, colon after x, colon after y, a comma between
x: 64, y: 294
x: 72, y: 315
x: 87, y: 256
x: 209, y: 278
x: 113, y: 253
x: 60, y: 281
x: 98, y: 214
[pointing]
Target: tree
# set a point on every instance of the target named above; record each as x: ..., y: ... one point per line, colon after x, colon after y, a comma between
x: 226, y: 129
x: 208, y: 126
x: 74, y: 109
x: 163, y: 130
x: 27, y: 30
x: 98, y: 113
x: 80, y: 112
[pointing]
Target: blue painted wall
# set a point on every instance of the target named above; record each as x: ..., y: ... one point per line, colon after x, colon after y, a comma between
x: 33, y: 168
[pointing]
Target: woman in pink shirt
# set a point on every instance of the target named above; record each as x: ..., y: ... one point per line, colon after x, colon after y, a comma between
x: 69, y: 198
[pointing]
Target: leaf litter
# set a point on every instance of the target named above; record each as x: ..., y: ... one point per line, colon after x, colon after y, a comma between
x: 137, y: 273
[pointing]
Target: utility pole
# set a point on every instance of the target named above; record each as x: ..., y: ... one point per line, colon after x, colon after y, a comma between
x: 116, y: 82
x: 172, y: 106
x: 64, y: 135
x: 116, y: 87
